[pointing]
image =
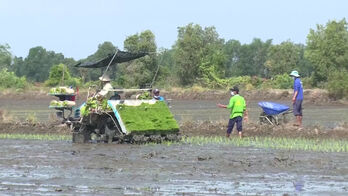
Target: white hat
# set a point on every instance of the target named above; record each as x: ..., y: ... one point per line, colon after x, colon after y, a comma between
x: 294, y: 73
x: 105, y: 78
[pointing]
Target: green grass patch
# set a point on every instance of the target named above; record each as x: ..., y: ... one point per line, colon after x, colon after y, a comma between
x: 322, y: 145
x: 148, y: 118
x: 46, y: 137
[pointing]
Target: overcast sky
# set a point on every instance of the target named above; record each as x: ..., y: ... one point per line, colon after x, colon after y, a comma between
x: 76, y: 27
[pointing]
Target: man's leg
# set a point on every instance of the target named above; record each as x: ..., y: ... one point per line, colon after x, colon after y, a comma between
x: 299, y: 120
x: 230, y: 127
x: 299, y: 117
x: 297, y: 110
x: 239, y: 121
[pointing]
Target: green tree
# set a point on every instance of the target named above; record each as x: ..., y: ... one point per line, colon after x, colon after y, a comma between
x: 188, y: 52
x: 327, y: 49
x: 232, y: 50
x: 104, y: 49
x: 37, y: 64
x: 212, y: 65
x: 56, y: 75
x: 18, y: 66
x: 199, y: 54
x: 139, y: 72
x: 252, y: 58
x: 282, y: 58
x: 5, y: 56
x: 167, y: 73
x: 338, y: 84
x: 304, y: 66
x: 8, y: 79
x: 60, y: 75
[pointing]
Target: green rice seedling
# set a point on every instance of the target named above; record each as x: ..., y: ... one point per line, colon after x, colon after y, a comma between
x: 148, y: 118
x: 46, y: 137
x: 327, y: 145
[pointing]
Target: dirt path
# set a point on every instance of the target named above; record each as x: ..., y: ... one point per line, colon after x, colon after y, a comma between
x: 49, y: 168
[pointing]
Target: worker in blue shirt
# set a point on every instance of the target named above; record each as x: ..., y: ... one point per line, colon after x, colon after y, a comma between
x: 297, y: 97
x: 156, y: 95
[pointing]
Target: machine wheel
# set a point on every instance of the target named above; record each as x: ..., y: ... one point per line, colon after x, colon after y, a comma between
x: 112, y: 128
x: 81, y: 134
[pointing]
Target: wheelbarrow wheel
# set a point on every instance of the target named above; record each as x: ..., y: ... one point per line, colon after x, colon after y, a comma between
x: 267, y: 119
x: 262, y: 118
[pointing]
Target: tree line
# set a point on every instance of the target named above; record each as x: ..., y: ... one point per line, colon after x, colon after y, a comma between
x: 200, y: 56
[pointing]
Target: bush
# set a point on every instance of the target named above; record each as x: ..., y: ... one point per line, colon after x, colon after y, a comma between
x: 10, y: 80
x: 283, y: 81
x: 307, y: 82
x: 338, y: 84
x: 240, y: 81
x: 56, y: 76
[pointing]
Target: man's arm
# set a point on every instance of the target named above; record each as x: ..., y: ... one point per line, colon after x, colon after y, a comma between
x: 229, y: 106
x: 296, y: 88
x: 221, y: 106
x: 105, y: 90
x: 294, y: 97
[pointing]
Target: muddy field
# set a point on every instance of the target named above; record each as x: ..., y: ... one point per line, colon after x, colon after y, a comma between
x: 62, y: 168
x: 30, y: 167
x: 327, y: 115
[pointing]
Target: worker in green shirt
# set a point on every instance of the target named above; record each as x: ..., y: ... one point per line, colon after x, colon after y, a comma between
x: 237, y: 106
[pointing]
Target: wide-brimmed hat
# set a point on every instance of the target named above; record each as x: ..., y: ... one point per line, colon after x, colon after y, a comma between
x: 235, y: 88
x: 105, y: 78
x: 294, y: 73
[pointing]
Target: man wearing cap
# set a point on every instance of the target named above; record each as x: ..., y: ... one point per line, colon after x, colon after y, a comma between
x: 156, y: 95
x: 297, y: 98
x: 237, y: 106
x: 105, y: 81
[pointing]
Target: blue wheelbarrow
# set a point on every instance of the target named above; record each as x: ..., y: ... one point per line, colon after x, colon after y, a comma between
x: 273, y: 113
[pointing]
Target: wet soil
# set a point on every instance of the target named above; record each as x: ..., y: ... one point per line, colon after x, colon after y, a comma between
x: 312, y: 96
x: 196, y: 117
x: 34, y: 128
x: 62, y: 168
x: 31, y: 167
x: 218, y: 128
x: 201, y: 128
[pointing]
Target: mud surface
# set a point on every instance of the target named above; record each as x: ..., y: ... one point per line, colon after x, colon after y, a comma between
x: 29, y: 167
x: 218, y: 128
x: 327, y: 115
x: 196, y: 117
x: 62, y: 168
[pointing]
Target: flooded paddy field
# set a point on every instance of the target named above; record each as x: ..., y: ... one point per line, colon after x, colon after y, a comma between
x: 37, y: 167
x: 324, y: 115
x: 61, y: 168
x: 190, y: 110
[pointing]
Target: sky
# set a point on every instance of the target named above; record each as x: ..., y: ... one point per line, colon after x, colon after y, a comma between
x: 75, y: 28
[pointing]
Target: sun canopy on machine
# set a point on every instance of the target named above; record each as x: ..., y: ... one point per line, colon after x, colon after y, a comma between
x: 120, y: 57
